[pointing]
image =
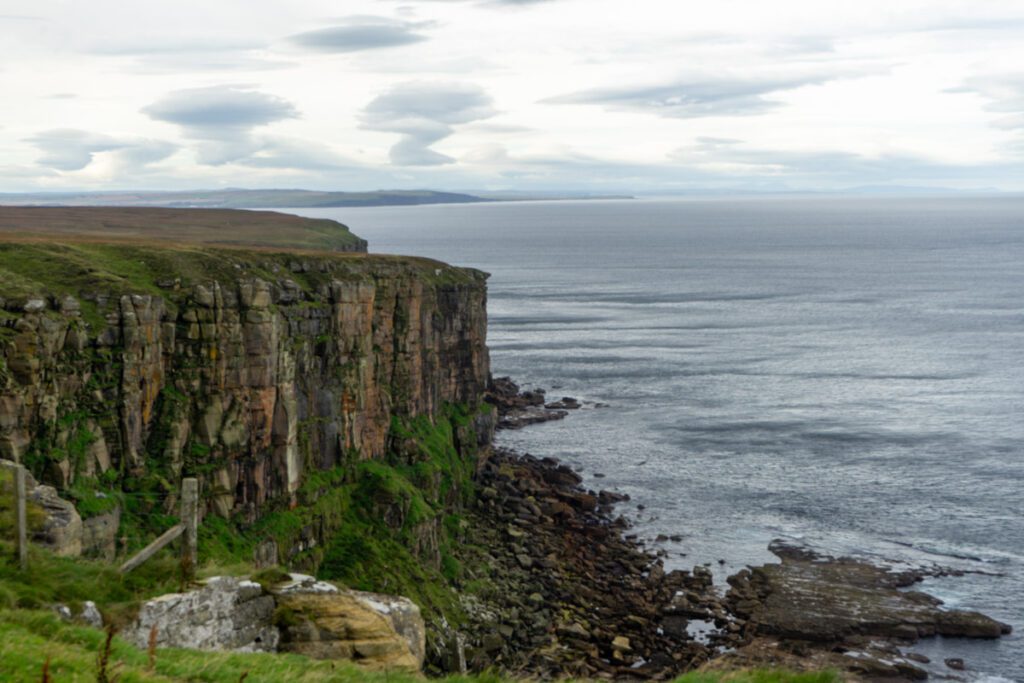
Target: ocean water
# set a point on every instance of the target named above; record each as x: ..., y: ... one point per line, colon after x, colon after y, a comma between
x: 845, y: 372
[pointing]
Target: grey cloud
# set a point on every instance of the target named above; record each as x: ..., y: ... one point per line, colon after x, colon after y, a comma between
x: 693, y: 98
x: 68, y: 149
x: 220, y: 107
x: 425, y: 113
x: 221, y: 118
x: 360, y: 33
x: 146, y: 152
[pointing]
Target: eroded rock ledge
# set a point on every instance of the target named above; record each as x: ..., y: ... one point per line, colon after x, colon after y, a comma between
x: 815, y: 611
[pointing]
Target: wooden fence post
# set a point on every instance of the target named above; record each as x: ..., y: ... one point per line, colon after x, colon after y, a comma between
x: 190, y: 519
x: 21, y: 518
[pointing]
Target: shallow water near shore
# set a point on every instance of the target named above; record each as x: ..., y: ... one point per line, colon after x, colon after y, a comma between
x: 845, y: 372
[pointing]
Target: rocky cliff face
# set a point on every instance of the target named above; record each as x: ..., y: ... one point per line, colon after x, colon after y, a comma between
x: 250, y: 370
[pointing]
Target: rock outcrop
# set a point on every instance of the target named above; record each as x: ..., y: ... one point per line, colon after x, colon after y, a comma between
x: 323, y: 622
x: 301, y: 616
x: 224, y: 614
x: 812, y: 612
x: 816, y: 598
x: 248, y: 369
x: 54, y: 523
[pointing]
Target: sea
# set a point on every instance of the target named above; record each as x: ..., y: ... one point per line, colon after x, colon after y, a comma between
x: 847, y: 373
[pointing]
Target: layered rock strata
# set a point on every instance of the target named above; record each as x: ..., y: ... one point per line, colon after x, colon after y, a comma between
x: 247, y: 369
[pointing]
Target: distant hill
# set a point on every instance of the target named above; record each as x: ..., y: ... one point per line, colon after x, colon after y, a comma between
x: 278, y: 199
x: 240, y: 198
x: 179, y: 226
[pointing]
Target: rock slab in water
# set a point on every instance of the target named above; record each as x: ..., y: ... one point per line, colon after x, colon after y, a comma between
x: 813, y: 612
x: 819, y: 598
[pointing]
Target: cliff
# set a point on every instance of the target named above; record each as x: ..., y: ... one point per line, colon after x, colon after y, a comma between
x: 273, y: 377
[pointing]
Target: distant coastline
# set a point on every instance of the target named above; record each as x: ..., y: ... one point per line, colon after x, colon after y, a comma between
x: 275, y: 198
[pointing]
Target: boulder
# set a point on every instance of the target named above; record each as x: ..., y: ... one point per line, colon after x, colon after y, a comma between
x: 224, y: 614
x: 321, y: 621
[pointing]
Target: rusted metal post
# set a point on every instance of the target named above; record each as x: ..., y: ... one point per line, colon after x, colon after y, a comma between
x: 190, y: 520
x: 21, y: 517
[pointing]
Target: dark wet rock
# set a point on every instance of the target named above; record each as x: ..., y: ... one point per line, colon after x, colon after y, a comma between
x: 578, y: 599
x: 567, y: 403
x: 956, y: 664
x: 812, y: 597
x: 518, y: 409
x: 845, y: 605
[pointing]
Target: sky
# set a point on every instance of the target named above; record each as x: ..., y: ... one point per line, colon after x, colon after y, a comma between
x: 645, y: 96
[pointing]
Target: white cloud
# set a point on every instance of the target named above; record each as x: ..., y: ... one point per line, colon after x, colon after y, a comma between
x: 458, y: 93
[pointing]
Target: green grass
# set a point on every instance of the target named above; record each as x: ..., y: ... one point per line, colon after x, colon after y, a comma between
x: 52, y: 580
x: 29, y: 638
x: 39, y: 269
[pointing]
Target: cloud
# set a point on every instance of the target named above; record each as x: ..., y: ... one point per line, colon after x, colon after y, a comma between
x: 695, y: 97
x: 1005, y: 94
x: 291, y: 153
x: 824, y: 168
x: 506, y: 3
x: 220, y: 107
x: 221, y: 118
x: 425, y: 113
x: 360, y: 33
x: 163, y: 54
x: 69, y: 149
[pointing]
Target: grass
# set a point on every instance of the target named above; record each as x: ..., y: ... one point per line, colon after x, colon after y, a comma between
x: 196, y: 226
x: 52, y: 580
x: 30, y: 638
x: 60, y: 266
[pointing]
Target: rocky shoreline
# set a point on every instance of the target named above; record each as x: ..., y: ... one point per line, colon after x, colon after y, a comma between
x: 571, y: 594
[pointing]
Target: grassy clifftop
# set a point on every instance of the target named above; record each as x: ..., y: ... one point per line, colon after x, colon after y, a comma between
x: 177, y: 226
x: 53, y: 267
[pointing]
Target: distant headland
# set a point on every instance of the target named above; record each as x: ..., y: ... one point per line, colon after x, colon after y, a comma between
x: 238, y: 198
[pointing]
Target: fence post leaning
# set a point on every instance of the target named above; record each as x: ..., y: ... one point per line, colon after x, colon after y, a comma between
x: 21, y: 518
x: 190, y: 518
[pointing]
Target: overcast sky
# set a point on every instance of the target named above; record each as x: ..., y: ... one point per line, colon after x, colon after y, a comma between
x: 597, y: 95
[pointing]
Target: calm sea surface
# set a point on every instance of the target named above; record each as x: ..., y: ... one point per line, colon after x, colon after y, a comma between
x: 845, y: 372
